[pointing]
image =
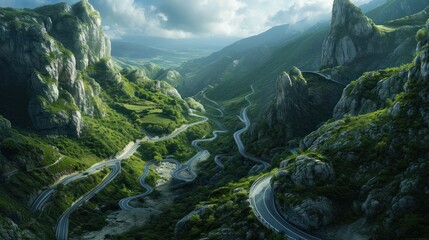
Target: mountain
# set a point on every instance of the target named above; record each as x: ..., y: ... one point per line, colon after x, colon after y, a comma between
x: 362, y: 173
x: 353, y: 38
x: 237, y: 59
x: 371, y: 161
x: 40, y: 73
x: 65, y: 106
x: 302, y: 102
x: 394, y: 9
x: 365, y: 171
x: 232, y: 73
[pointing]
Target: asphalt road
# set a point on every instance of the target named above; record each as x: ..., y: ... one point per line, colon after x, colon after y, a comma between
x: 62, y: 226
x: 237, y: 135
x: 262, y: 202
x: 218, y: 161
x: 187, y: 167
x: 61, y: 232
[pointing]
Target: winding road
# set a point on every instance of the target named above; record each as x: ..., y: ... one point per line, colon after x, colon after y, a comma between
x: 187, y: 167
x: 262, y: 202
x: 261, y: 195
x: 237, y: 135
x: 63, y: 223
x: 115, y: 165
x: 218, y: 161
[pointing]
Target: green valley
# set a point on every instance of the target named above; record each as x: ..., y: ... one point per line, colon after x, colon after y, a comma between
x: 316, y: 128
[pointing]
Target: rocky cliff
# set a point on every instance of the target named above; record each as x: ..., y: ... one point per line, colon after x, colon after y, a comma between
x: 42, y: 54
x: 354, y: 38
x: 290, y: 100
x: 348, y: 24
x: 369, y: 93
x: 379, y: 157
x: 302, y: 101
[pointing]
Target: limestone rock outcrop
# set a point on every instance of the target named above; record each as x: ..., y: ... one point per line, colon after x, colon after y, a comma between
x: 304, y: 172
x: 42, y: 52
x: 302, y: 101
x: 311, y: 213
x: 354, y: 38
x: 5, y: 128
x: 290, y: 99
x: 348, y: 26
x: 9, y: 230
x: 380, y: 155
x: 365, y: 95
x: 87, y: 41
x: 310, y: 171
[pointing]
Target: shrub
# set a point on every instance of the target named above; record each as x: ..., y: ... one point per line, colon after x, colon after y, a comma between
x: 421, y: 34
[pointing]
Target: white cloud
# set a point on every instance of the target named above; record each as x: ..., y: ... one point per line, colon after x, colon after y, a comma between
x: 197, y: 18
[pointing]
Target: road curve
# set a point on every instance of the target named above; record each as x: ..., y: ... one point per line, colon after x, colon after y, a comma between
x: 237, y: 135
x: 61, y: 232
x: 262, y: 202
x: 62, y: 226
x: 188, y: 167
x: 218, y: 161
x: 176, y: 132
x: 124, y: 203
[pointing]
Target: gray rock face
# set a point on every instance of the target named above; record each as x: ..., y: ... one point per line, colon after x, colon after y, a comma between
x: 5, y: 128
x: 301, y: 103
x: 353, y: 38
x: 41, y: 73
x: 310, y: 171
x: 311, y: 213
x: 290, y: 97
x: 384, y: 195
x: 166, y: 89
x: 365, y: 96
x: 87, y: 41
x: 10, y: 231
x: 348, y: 24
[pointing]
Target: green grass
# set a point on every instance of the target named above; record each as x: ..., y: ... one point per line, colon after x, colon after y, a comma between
x: 138, y: 108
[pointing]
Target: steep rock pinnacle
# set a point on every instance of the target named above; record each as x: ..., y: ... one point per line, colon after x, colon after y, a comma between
x: 349, y: 26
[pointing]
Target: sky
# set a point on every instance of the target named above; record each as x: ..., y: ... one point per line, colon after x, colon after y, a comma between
x: 183, y: 19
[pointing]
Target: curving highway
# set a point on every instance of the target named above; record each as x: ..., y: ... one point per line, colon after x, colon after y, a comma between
x: 261, y: 195
x: 202, y: 153
x: 237, y: 135
x: 218, y: 161
x: 187, y: 167
x: 124, y: 203
x: 63, y: 223
x: 262, y: 202
x: 115, y: 164
x: 176, y: 132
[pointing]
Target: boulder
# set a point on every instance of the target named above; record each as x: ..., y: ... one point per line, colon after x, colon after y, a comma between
x: 311, y: 214
x: 310, y: 171
x: 5, y: 128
